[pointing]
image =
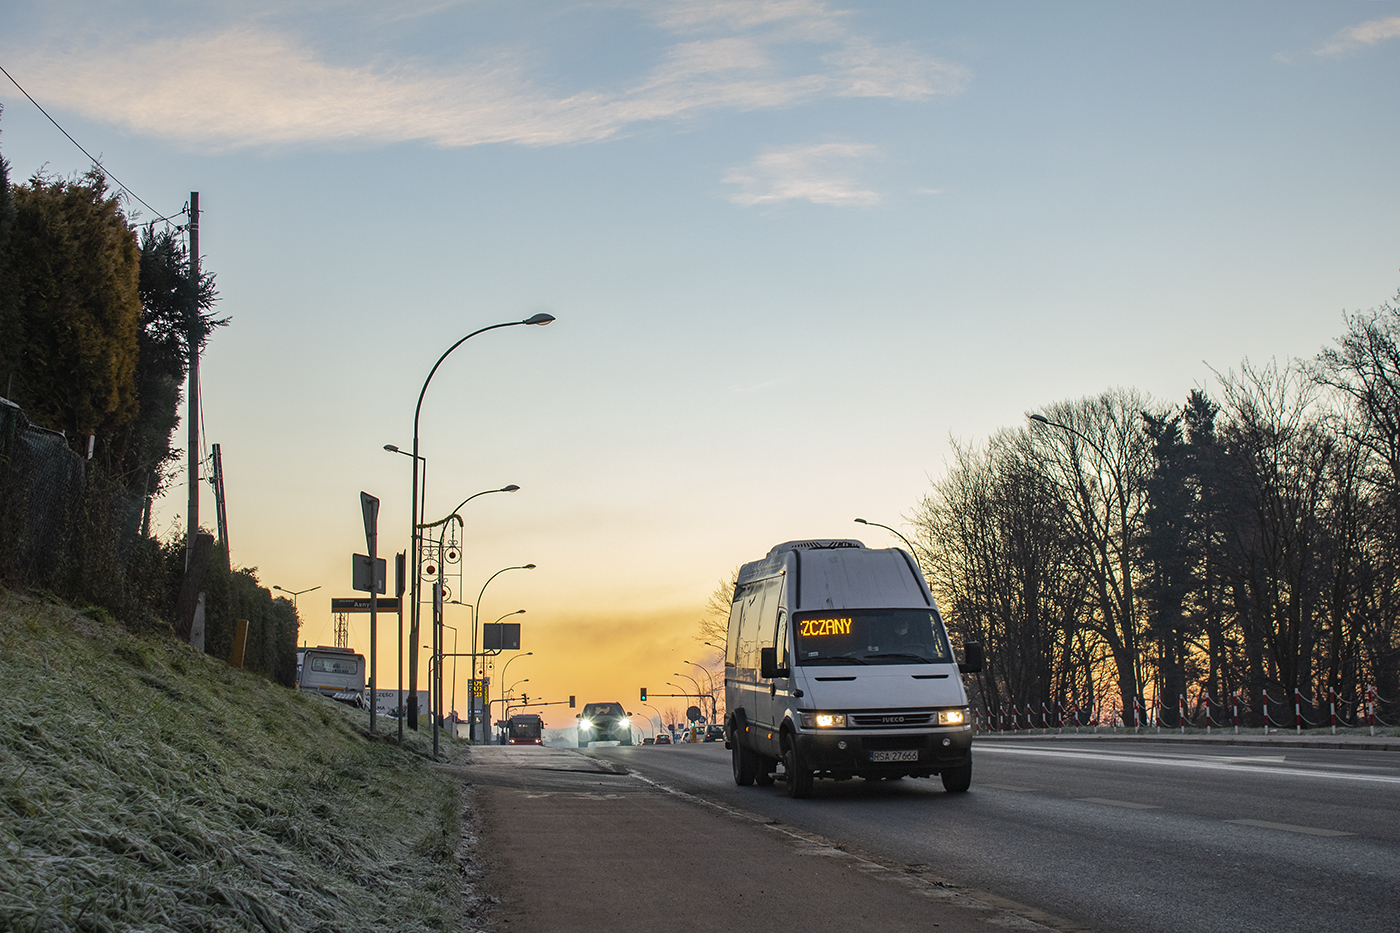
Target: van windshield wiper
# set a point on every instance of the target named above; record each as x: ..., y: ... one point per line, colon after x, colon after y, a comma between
x: 832, y: 659
x: 911, y: 657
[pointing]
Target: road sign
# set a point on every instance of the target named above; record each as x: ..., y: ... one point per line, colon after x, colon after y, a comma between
x: 500, y: 636
x: 369, y: 505
x: 361, y: 604
x: 693, y: 714
x: 361, y: 574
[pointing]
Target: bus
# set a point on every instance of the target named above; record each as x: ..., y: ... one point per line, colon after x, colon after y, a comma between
x: 525, y: 729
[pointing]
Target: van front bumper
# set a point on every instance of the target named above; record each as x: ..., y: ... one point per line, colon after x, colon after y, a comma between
x: 846, y: 752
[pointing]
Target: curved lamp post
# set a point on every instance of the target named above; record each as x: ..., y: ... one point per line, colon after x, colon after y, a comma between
x: 912, y: 553
x: 506, y: 667
x: 415, y: 518
x: 476, y: 614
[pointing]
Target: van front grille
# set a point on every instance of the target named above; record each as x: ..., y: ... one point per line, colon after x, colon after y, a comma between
x: 894, y: 719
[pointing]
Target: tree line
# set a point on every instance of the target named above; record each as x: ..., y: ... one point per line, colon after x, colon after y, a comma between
x: 97, y: 316
x: 1115, y: 550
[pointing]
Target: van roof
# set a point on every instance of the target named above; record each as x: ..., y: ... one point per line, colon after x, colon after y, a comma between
x: 843, y: 574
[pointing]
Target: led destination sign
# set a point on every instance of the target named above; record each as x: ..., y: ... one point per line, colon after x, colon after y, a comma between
x: 815, y: 628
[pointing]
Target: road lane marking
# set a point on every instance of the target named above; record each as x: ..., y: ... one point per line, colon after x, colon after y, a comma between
x: 1016, y: 787
x: 990, y: 748
x: 1121, y: 803
x: 1289, y: 827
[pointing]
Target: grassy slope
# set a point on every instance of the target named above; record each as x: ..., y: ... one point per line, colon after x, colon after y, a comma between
x: 145, y: 786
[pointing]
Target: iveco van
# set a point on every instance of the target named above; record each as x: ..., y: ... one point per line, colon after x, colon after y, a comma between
x: 338, y: 673
x: 838, y: 666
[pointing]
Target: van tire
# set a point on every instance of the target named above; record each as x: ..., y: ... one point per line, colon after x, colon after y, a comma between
x: 745, y: 764
x: 799, y: 779
x: 957, y: 780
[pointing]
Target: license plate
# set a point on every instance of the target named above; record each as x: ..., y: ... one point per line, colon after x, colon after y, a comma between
x: 911, y: 754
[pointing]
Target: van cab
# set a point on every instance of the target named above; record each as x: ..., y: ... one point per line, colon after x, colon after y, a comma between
x: 838, y: 665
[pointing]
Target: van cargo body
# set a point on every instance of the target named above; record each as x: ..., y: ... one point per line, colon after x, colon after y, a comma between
x: 838, y: 666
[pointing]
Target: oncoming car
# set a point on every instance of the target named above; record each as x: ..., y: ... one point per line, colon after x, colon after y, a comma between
x: 604, y: 722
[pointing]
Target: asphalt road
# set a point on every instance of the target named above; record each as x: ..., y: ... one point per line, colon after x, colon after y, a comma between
x: 1117, y: 837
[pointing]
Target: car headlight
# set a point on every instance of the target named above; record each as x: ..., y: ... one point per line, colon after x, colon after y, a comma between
x: 624, y: 723
x: 585, y: 724
x: 952, y: 717
x: 824, y: 720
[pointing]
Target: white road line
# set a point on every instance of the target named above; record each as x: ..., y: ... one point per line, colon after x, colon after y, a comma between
x: 1121, y: 803
x: 1195, y: 763
x: 1289, y: 827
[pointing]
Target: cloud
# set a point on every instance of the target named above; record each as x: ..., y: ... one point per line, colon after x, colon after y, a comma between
x: 1355, y: 38
x: 820, y: 173
x: 254, y: 86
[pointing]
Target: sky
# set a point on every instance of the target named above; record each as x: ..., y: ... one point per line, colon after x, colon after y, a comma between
x: 795, y: 250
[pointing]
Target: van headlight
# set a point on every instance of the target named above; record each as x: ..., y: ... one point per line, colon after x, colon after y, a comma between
x: 952, y: 717
x: 823, y: 720
x: 624, y: 723
x: 585, y: 725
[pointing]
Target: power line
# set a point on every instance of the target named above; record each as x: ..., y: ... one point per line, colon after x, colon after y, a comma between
x: 104, y: 168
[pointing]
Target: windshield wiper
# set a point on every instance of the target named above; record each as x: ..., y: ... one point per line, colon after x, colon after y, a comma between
x: 912, y: 657
x: 832, y: 659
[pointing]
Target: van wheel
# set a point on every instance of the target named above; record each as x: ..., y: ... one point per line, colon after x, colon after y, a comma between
x: 744, y: 765
x: 957, y: 780
x: 799, y: 779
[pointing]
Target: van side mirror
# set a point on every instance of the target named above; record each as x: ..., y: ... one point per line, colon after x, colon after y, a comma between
x: 768, y: 664
x: 973, y: 658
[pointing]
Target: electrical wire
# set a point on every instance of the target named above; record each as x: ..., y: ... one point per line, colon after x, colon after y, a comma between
x: 95, y: 162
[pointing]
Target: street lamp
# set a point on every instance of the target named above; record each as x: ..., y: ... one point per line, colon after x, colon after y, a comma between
x: 912, y: 552
x: 414, y: 518
x: 707, y: 675
x: 294, y: 593
x: 505, y: 667
x: 476, y: 613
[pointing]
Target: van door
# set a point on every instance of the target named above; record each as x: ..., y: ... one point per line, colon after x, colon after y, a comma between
x: 775, y: 694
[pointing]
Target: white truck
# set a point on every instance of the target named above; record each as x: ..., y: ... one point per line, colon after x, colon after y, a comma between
x: 338, y: 673
x: 838, y: 666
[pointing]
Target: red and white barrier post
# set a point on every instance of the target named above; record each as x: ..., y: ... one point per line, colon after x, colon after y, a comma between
x: 1332, y: 703
x: 1181, y: 711
x: 1235, y: 710
x: 1298, y: 710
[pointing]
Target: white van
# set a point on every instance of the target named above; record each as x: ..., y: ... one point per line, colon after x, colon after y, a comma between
x: 338, y: 673
x: 838, y: 666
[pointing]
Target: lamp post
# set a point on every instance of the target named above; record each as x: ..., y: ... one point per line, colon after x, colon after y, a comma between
x: 454, y: 666
x: 445, y: 523
x: 699, y: 693
x: 707, y: 675
x: 295, y: 593
x: 505, y: 667
x: 476, y: 614
x: 415, y: 518
x: 912, y: 553
x: 659, y: 719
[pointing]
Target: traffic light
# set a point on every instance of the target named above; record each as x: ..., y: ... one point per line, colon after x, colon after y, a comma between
x: 571, y: 701
x: 644, y: 694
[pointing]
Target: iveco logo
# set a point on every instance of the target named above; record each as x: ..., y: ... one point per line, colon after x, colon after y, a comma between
x: 892, y: 719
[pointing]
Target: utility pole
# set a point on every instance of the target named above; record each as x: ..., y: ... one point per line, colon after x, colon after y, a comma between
x: 192, y: 402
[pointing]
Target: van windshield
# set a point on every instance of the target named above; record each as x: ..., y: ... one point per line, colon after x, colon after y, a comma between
x: 870, y: 636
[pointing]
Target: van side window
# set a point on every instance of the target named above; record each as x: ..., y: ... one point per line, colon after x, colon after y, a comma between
x: 736, y: 616
x: 750, y: 630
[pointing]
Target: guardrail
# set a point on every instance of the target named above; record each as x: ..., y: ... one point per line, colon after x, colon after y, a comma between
x: 1364, y: 711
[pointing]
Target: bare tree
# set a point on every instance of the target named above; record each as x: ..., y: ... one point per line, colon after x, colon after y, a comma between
x: 714, y: 622
x: 1098, y: 455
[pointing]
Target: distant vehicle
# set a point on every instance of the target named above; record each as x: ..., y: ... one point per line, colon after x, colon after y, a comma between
x: 647, y: 740
x: 714, y: 733
x: 525, y: 729
x: 838, y: 665
x: 663, y: 739
x: 604, y: 722
x: 338, y: 673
